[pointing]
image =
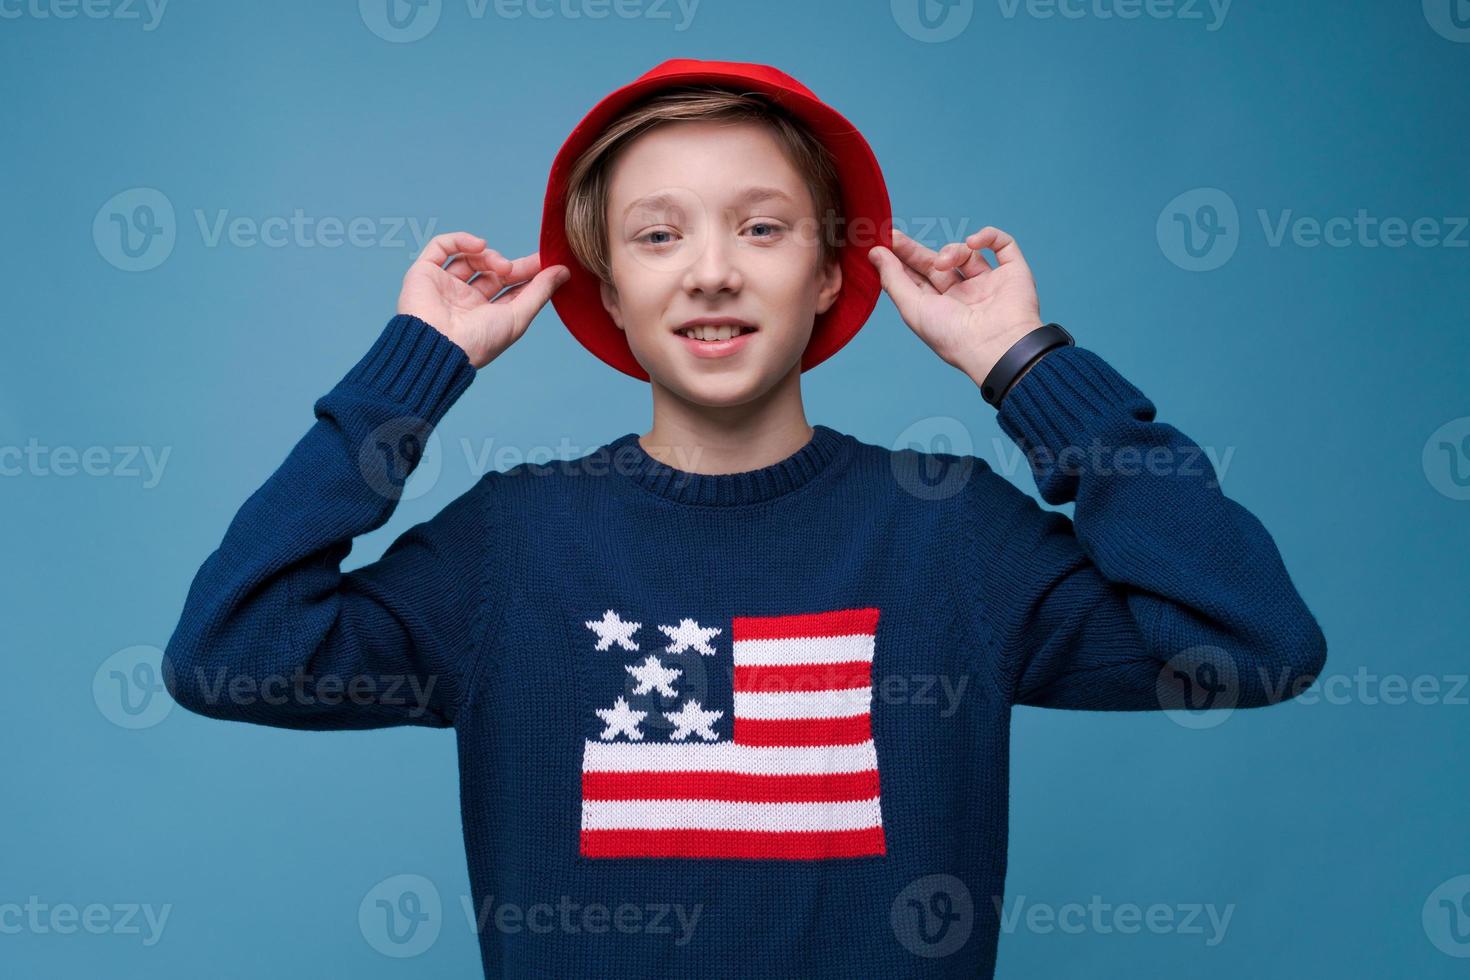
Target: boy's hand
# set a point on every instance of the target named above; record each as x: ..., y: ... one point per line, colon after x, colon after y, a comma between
x: 470, y: 313
x: 969, y: 320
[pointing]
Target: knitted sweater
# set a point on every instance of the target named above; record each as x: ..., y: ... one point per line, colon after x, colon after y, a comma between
x: 745, y: 724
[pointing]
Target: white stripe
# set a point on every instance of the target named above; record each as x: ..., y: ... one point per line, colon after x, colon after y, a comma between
x: 804, y: 650
x: 723, y: 815
x: 759, y: 760
x: 803, y: 704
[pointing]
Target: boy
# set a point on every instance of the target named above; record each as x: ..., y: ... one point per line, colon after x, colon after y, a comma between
x: 676, y: 667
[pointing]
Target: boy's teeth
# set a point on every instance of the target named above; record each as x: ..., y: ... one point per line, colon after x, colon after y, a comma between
x: 711, y: 332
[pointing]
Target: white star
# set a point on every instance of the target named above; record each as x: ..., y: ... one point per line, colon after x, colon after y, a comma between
x: 692, y: 718
x: 653, y: 674
x: 610, y: 629
x: 621, y: 718
x: 690, y: 634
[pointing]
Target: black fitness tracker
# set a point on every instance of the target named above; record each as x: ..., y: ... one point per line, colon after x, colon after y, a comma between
x: 1022, y: 353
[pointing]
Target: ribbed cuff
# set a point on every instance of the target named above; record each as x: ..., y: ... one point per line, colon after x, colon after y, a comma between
x: 1067, y: 398
x: 414, y: 366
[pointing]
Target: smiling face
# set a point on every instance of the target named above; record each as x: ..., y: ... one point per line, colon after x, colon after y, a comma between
x: 709, y: 220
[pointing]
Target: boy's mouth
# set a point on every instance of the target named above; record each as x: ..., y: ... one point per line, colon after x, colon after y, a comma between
x: 714, y: 331
x: 715, y: 336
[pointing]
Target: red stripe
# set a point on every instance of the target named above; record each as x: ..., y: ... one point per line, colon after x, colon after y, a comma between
x: 733, y: 786
x: 839, y: 622
x: 803, y: 731
x: 804, y: 677
x: 804, y: 844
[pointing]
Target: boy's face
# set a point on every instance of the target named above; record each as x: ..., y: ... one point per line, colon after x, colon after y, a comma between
x: 705, y: 220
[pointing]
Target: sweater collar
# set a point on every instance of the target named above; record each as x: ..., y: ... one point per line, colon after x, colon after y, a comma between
x: 821, y: 451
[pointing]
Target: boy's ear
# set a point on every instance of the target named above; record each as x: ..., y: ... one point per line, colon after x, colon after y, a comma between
x: 610, y: 303
x: 831, y: 285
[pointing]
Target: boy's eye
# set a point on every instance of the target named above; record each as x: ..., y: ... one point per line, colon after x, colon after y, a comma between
x: 761, y: 229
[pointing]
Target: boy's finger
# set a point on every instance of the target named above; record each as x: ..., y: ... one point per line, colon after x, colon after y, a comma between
x: 487, y: 284
x: 904, y: 292
x: 959, y: 256
x: 497, y: 269
x: 441, y: 247
x: 925, y: 286
x: 521, y: 269
x: 497, y: 263
x: 916, y: 254
x: 533, y: 295
x: 466, y: 265
x: 514, y: 275
x: 1003, y: 245
x: 918, y: 278
x: 929, y: 262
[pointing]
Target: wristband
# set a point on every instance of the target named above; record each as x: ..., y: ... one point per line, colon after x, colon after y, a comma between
x: 1021, y: 354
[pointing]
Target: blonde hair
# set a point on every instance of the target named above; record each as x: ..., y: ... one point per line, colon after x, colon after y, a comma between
x: 587, y: 184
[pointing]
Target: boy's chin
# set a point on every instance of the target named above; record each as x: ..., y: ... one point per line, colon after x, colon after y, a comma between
x: 719, y: 389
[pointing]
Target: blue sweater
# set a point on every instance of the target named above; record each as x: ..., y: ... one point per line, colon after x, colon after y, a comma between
x: 740, y: 724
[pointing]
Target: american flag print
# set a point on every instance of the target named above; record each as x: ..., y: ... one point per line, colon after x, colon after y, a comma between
x: 780, y: 763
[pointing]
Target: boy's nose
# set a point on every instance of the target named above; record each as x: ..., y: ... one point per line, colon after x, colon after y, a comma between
x: 715, y: 268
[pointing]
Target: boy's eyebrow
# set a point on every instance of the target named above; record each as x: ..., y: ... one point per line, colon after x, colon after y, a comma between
x: 758, y: 193
x: 751, y: 195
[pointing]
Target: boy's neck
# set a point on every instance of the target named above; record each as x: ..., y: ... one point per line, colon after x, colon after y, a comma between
x: 734, y: 439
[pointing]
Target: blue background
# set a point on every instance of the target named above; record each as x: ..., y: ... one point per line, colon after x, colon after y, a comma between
x: 1325, y: 370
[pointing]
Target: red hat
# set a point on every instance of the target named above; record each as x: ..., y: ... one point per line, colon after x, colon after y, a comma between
x: 865, y: 208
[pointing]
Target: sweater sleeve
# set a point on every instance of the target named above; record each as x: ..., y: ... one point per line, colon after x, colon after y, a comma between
x: 1164, y: 593
x: 273, y: 633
